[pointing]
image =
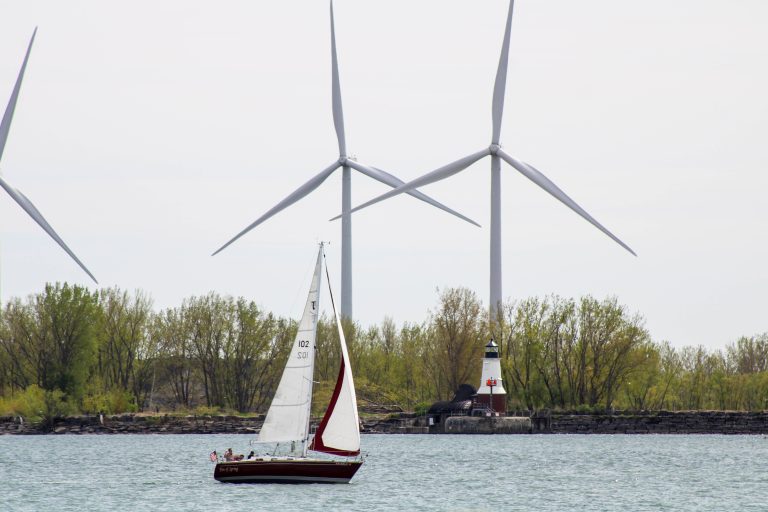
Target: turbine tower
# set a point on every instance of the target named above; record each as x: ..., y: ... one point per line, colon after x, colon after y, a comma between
x: 16, y: 194
x: 497, y: 154
x: 347, y: 164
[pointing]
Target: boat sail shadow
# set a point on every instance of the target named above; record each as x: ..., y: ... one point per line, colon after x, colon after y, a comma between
x: 288, y: 418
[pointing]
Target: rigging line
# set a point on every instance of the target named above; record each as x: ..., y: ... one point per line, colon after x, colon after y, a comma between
x: 328, y: 278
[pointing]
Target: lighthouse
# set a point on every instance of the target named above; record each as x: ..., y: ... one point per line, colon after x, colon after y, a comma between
x: 491, y: 391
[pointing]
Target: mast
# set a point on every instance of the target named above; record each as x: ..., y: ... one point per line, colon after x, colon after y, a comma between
x: 305, y: 439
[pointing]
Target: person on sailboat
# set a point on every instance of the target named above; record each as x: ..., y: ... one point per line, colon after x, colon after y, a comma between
x: 229, y: 456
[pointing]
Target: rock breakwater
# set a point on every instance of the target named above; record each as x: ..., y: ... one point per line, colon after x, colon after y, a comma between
x: 658, y: 422
x: 134, y: 424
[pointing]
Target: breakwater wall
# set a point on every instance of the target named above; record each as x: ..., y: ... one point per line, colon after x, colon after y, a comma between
x: 169, y: 424
x: 492, y: 425
x: 134, y: 424
x: 661, y: 422
x: 656, y: 422
x: 624, y: 422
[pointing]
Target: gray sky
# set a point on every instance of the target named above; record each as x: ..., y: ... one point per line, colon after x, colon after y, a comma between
x: 150, y: 133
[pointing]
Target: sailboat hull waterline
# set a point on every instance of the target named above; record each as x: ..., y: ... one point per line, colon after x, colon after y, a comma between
x: 287, y: 471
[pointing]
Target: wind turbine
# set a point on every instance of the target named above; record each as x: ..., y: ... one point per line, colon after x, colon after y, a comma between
x: 347, y: 164
x: 497, y: 154
x: 16, y: 194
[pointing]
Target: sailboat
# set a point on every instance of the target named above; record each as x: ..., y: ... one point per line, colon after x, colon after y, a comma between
x: 337, y: 441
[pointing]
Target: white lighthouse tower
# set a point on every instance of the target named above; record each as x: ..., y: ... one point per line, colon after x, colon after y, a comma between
x: 491, y: 391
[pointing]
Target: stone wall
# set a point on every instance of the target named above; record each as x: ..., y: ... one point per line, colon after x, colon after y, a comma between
x: 661, y: 422
x: 491, y: 425
x: 136, y: 424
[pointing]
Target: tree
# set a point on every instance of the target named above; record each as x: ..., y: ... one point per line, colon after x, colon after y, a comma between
x: 524, y: 345
x: 50, y: 341
x: 127, y: 351
x: 749, y: 355
x: 171, y: 330
x: 560, y: 326
x: 413, y: 384
x: 248, y: 352
x: 456, y: 341
x: 208, y: 319
x: 640, y: 391
x: 21, y: 356
x: 692, y: 386
x: 610, y: 340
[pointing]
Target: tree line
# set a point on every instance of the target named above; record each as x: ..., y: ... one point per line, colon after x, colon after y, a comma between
x: 69, y: 350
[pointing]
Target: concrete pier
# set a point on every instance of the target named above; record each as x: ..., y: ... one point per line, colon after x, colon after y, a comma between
x: 487, y: 425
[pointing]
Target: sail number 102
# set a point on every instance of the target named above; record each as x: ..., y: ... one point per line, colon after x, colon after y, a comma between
x: 304, y: 354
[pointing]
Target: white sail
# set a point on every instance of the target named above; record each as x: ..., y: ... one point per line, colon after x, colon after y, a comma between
x: 288, y: 415
x: 339, y: 431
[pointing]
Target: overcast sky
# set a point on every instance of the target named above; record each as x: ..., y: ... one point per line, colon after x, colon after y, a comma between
x: 149, y: 133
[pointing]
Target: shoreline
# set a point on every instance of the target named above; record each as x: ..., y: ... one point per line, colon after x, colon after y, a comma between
x: 620, y: 422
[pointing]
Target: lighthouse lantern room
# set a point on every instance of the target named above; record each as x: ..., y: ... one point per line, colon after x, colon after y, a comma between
x: 491, y: 392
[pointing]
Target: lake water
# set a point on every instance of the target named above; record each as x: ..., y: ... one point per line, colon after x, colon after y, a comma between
x: 417, y: 472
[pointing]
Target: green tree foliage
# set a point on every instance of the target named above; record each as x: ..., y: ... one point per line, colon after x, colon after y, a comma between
x: 251, y: 346
x: 455, y: 340
x: 557, y: 353
x: 50, y: 340
x: 749, y: 355
x: 66, y: 349
x: 232, y: 345
x: 127, y: 351
x: 170, y: 330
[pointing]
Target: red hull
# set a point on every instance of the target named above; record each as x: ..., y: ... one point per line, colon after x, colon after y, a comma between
x: 291, y: 471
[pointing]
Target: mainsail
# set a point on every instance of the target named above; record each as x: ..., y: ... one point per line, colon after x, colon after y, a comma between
x: 339, y: 430
x: 288, y: 416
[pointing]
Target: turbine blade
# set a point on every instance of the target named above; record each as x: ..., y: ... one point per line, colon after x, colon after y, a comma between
x: 294, y: 196
x: 436, y: 175
x: 5, y: 124
x: 394, y: 182
x: 542, y: 181
x: 338, y: 114
x: 500, y: 85
x: 33, y: 212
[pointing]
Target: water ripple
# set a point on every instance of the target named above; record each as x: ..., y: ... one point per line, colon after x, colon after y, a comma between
x: 453, y: 473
